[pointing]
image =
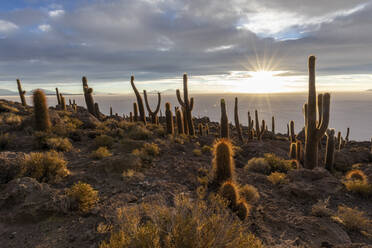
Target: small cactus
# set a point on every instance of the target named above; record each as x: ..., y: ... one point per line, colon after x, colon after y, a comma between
x: 299, y: 151
x: 292, y: 136
x: 141, y: 109
x: 200, y: 129
x: 188, y: 105
x: 22, y: 93
x: 237, y: 123
x: 250, y: 127
x: 169, y: 118
x: 42, y: 121
x: 63, y: 102
x: 230, y: 192
x: 110, y: 111
x: 224, y: 124
x: 242, y: 210
x: 259, y: 131
x: 69, y: 102
x: 206, y: 129
x: 347, y: 135
x: 135, y: 111
x: 131, y: 117
x: 58, y: 97
x: 223, y: 162
x: 153, y: 114
x: 330, y: 149
x: 179, y: 121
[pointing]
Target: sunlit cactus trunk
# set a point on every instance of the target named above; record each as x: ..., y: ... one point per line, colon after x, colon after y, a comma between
x: 41, y: 112
x: 314, y: 130
x: 224, y: 124
x: 141, y: 108
x: 237, y: 123
x: 131, y: 117
x: 22, y: 93
x: 330, y: 150
x: 292, y: 151
x: 153, y: 114
x: 185, y: 124
x: 188, y: 105
x: 63, y: 102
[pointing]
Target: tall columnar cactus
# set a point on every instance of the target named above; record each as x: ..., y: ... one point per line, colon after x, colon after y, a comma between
x: 339, y: 141
x: 153, y: 114
x: 292, y: 136
x: 250, y: 127
x: 42, y: 121
x: 88, y: 95
x: 110, y: 111
x: 223, y: 162
x: 257, y: 122
x: 299, y: 151
x: 288, y: 130
x: 201, y: 129
x: 63, y: 102
x: 58, y: 97
x: 224, y: 125
x: 141, y: 108
x: 169, y: 118
x: 135, y: 111
x: 206, y: 129
x: 273, y: 125
x: 69, y: 102
x: 237, y: 123
x: 347, y: 135
x: 21, y: 92
x: 188, y: 105
x: 314, y: 130
x: 292, y: 151
x: 131, y: 117
x: 179, y: 120
x: 263, y: 130
x: 185, y: 125
x: 330, y: 150
x: 96, y: 109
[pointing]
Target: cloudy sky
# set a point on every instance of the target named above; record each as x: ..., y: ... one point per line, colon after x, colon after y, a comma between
x: 220, y: 44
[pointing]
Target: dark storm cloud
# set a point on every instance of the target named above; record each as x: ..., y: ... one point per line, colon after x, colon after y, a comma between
x: 110, y: 40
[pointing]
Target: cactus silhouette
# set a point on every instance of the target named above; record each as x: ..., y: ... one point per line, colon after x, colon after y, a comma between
x: 58, y: 97
x: 242, y: 210
x: 169, y: 118
x: 263, y: 130
x: 273, y: 125
x: 63, y: 102
x: 153, y: 114
x: 292, y: 135
x: 288, y: 130
x: 339, y: 141
x: 292, y: 150
x: 135, y: 111
x: 206, y: 129
x: 188, y: 105
x: 200, y: 129
x: 185, y: 125
x: 179, y: 121
x: 347, y: 135
x: 237, y: 123
x: 250, y: 127
x: 224, y: 124
x: 131, y: 117
x: 42, y: 121
x: 141, y: 108
x: 110, y: 111
x: 299, y: 151
x: 223, y: 163
x: 21, y: 92
x: 330, y: 149
x: 314, y: 130
x: 96, y: 109
x: 259, y: 131
x: 88, y: 95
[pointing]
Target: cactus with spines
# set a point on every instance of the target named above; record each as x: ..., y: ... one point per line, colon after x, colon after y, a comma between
x: 292, y: 135
x: 299, y: 151
x: 273, y: 125
x: 179, y: 121
x: 224, y: 124
x: 131, y: 117
x: 169, y: 119
x: 58, y: 97
x: 153, y: 114
x: 22, y: 93
x: 110, y: 111
x: 63, y: 102
x: 141, y: 108
x: 223, y: 162
x: 135, y: 112
x: 96, y: 109
x: 292, y: 150
x: 88, y: 95
x: 237, y: 123
x: 314, y: 130
x: 330, y: 150
x: 188, y: 105
x: 229, y: 190
x: 41, y: 113
x: 347, y: 135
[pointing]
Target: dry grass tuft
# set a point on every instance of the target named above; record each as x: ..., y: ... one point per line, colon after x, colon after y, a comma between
x: 259, y: 165
x: 104, y: 140
x: 82, y: 197
x: 101, y: 153
x: 357, y: 182
x: 189, y: 224
x: 59, y: 144
x: 147, y: 152
x: 320, y: 209
x: 197, y: 152
x: 353, y: 219
x: 277, y: 178
x: 249, y: 193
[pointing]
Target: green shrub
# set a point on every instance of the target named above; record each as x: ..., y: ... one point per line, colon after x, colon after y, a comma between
x: 82, y: 197
x: 101, y: 153
x: 44, y: 167
x: 189, y: 224
x: 104, y: 140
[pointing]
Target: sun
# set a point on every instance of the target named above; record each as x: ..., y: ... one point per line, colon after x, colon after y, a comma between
x: 262, y: 81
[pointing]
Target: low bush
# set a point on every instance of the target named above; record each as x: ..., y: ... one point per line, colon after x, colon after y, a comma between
x: 277, y: 178
x: 139, y: 132
x: 353, y: 219
x: 147, y: 152
x: 59, y: 144
x: 259, y: 165
x: 197, y: 152
x: 249, y: 193
x: 104, y: 140
x: 82, y: 197
x: 101, y: 153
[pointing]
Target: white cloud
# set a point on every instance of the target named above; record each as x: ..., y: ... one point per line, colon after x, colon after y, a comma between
x: 6, y: 26
x: 56, y: 13
x: 219, y: 48
x: 45, y: 27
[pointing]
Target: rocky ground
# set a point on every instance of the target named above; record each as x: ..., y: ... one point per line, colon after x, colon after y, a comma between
x: 38, y: 214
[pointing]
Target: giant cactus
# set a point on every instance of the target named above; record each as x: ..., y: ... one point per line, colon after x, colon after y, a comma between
x: 187, y: 104
x: 292, y: 136
x: 259, y: 131
x: 237, y: 123
x: 169, y: 119
x: 63, y: 102
x: 41, y: 114
x: 58, y: 97
x: 135, y: 112
x: 88, y: 95
x: 224, y: 125
x: 21, y: 92
x: 141, y: 108
x: 273, y: 125
x: 314, y: 130
x: 330, y: 149
x: 153, y: 114
x: 179, y: 121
